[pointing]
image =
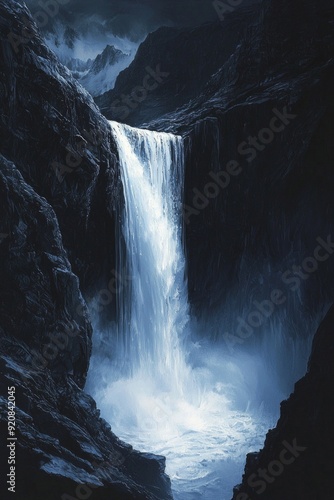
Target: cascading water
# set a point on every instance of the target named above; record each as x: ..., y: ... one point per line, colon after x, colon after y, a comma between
x: 161, y: 392
x: 153, y: 313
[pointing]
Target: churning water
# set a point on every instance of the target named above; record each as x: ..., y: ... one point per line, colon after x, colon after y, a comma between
x: 160, y: 390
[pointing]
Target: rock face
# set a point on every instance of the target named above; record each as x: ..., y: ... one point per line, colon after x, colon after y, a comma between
x: 305, y: 430
x: 63, y: 449
x: 58, y: 186
x: 51, y: 129
x: 39, y: 293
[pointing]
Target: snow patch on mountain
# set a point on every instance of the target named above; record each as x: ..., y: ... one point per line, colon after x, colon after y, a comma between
x: 104, y: 70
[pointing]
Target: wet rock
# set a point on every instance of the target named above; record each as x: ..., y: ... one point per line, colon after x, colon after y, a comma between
x: 63, y: 448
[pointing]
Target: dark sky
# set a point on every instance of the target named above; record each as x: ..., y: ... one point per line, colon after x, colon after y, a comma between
x: 131, y: 17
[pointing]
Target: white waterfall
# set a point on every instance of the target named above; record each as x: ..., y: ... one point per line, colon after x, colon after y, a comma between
x: 153, y: 311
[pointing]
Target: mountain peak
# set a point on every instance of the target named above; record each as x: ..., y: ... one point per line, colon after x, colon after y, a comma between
x: 108, y: 57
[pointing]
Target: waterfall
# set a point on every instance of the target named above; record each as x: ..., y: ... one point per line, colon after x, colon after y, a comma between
x: 153, y: 311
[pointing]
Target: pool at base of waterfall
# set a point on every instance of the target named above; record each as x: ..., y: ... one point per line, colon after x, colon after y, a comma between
x: 206, y: 464
x: 204, y: 438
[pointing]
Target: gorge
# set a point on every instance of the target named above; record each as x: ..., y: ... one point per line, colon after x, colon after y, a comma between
x: 166, y: 273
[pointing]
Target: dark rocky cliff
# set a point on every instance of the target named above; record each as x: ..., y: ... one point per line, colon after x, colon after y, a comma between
x: 305, y: 430
x: 39, y: 293
x: 52, y: 130
x: 58, y: 186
